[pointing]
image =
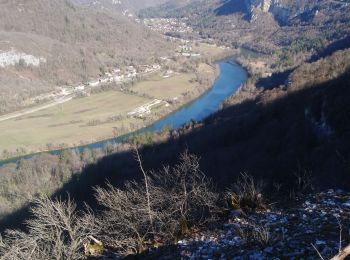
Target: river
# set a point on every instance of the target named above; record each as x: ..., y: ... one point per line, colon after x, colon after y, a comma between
x: 230, y: 78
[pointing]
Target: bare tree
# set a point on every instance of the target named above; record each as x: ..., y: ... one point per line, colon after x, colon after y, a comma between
x: 134, y: 218
x: 124, y: 224
x: 55, y: 232
x: 188, y: 192
x: 178, y: 197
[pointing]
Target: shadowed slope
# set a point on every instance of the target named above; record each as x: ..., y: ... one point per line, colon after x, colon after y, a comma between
x: 275, y: 141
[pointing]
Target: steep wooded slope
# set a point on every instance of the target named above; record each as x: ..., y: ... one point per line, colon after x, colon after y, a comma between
x: 261, y: 25
x: 121, y: 5
x: 72, y: 43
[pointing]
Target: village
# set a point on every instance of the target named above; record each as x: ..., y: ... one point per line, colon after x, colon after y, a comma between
x: 119, y: 99
x: 168, y: 25
x: 124, y: 75
x: 116, y: 76
x: 187, y: 50
x: 121, y: 76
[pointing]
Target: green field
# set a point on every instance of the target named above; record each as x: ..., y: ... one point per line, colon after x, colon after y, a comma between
x: 85, y: 120
x: 208, y: 49
x: 164, y: 88
x: 67, y: 123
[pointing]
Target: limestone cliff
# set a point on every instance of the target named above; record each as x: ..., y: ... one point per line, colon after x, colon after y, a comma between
x: 282, y: 10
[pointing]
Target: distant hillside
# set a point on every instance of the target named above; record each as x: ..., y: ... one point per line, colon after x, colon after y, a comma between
x: 72, y: 44
x: 294, y: 136
x: 262, y: 25
x: 133, y: 6
x: 286, y: 12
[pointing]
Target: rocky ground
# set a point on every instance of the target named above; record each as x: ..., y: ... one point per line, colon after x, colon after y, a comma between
x: 319, y: 222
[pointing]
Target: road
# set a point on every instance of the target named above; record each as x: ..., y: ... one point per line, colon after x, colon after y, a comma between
x: 37, y: 108
x: 60, y: 100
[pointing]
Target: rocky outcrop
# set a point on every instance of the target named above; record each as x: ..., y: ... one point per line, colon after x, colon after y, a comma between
x: 263, y: 5
x: 282, y: 10
x: 294, y: 231
x: 256, y: 8
x: 13, y: 57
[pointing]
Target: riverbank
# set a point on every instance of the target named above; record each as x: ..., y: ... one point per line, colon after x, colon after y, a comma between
x: 104, y: 115
x: 56, y: 169
x: 208, y: 102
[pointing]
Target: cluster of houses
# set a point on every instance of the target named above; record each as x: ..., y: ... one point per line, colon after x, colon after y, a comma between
x: 146, y: 109
x: 186, y: 49
x: 128, y: 13
x: 115, y: 76
x: 168, y: 25
x: 119, y: 76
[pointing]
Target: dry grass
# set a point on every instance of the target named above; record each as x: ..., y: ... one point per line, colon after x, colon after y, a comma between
x: 246, y: 194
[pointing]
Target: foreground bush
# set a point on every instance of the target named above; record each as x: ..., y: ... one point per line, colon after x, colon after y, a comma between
x: 246, y: 194
x: 55, y: 232
x: 140, y: 215
x: 175, y: 199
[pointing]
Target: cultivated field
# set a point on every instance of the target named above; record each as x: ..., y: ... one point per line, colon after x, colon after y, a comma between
x: 172, y: 85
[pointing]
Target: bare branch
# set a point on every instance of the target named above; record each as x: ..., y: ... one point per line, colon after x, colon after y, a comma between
x: 318, y: 252
x: 138, y: 158
x: 343, y: 254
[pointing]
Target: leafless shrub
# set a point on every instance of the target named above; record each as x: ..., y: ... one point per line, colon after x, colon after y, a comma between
x: 124, y: 224
x: 246, y: 194
x: 254, y: 233
x: 189, y: 195
x: 176, y: 198
x: 277, y: 186
x: 244, y: 233
x: 134, y: 218
x: 262, y: 235
x: 55, y: 232
x: 303, y: 181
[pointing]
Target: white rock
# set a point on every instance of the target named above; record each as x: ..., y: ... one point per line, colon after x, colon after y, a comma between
x: 12, y: 57
x: 346, y: 204
x: 320, y: 242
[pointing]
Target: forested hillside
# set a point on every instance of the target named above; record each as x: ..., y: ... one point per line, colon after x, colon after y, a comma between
x: 266, y: 176
x: 295, y: 138
x: 294, y: 130
x: 126, y: 6
x: 54, y: 43
x: 265, y: 26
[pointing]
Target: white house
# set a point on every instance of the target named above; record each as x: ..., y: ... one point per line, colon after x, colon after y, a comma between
x: 79, y: 88
x: 94, y: 83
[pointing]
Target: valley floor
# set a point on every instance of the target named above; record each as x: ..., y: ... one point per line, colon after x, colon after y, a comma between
x: 75, y: 121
